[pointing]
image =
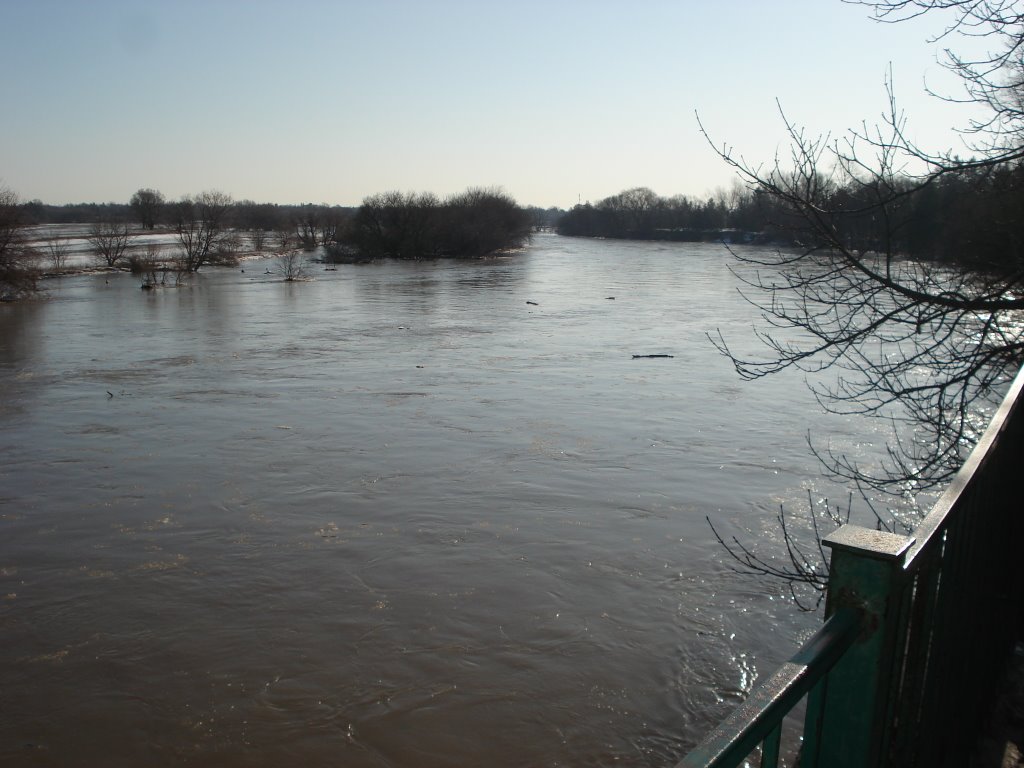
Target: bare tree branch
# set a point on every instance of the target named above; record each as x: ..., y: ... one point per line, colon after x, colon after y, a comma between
x: 922, y: 343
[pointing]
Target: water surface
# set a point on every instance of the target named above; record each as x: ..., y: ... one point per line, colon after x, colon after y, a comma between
x: 395, y: 516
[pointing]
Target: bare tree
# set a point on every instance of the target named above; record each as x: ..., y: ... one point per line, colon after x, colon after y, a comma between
x: 259, y: 219
x: 293, y: 266
x: 57, y: 251
x: 286, y: 239
x: 110, y: 241
x: 157, y: 271
x: 993, y: 80
x: 307, y: 225
x: 913, y: 341
x: 638, y: 206
x: 332, y: 221
x: 804, y: 569
x: 148, y: 205
x: 18, y: 260
x: 317, y: 225
x: 258, y: 238
x: 923, y: 344
x: 201, y: 226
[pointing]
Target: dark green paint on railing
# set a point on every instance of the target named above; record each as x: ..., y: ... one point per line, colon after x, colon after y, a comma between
x: 759, y: 717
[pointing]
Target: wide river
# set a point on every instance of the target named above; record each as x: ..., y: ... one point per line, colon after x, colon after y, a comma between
x: 405, y: 514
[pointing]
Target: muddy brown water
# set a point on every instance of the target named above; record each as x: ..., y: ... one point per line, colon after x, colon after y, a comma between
x: 395, y: 516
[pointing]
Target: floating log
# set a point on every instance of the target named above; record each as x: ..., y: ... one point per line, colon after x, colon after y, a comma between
x: 638, y: 356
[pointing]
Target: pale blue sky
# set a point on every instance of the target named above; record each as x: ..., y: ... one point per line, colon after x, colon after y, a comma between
x: 317, y: 101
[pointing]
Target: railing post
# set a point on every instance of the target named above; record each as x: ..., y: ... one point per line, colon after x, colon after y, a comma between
x: 845, y: 726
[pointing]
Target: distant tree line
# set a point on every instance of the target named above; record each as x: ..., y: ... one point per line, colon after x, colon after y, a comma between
x: 971, y: 217
x: 399, y: 225
x: 544, y: 218
x: 212, y: 228
x: 641, y: 214
x: 150, y: 210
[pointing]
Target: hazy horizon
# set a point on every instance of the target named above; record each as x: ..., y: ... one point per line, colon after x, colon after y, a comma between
x: 331, y: 102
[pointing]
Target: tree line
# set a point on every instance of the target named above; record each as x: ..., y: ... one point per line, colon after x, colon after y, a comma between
x: 212, y: 228
x: 640, y: 214
x: 968, y: 216
x: 306, y: 223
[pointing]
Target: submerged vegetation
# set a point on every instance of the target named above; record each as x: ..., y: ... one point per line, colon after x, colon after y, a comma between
x: 18, y: 260
x: 476, y: 223
x: 211, y: 228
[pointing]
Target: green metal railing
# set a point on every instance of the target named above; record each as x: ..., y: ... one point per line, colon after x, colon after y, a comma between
x: 759, y: 719
x: 918, y: 629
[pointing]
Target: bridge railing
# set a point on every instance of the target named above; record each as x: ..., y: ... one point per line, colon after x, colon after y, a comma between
x: 917, y: 631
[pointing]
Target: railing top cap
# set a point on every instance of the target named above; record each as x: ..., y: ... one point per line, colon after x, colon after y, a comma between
x: 869, y: 542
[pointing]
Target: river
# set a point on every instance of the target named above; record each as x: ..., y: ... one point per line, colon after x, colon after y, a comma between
x: 405, y: 514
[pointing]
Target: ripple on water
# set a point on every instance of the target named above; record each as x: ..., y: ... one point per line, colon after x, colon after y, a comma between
x: 283, y: 541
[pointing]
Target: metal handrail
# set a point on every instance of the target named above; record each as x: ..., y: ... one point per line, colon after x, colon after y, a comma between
x: 915, y: 625
x: 759, y: 718
x: 931, y: 526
